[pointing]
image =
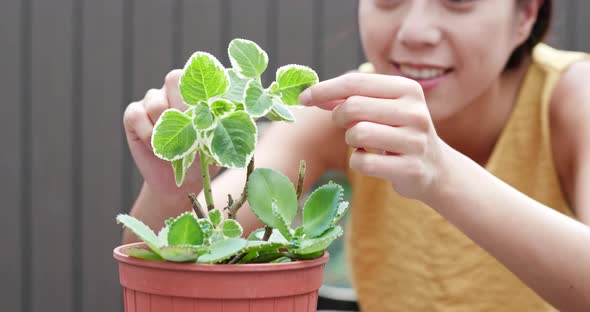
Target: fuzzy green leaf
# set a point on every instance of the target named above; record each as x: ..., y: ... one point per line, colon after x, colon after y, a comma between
x: 247, y: 58
x: 203, y: 78
x: 143, y: 253
x: 203, y: 117
x: 283, y: 226
x: 174, y: 136
x: 215, y: 217
x: 264, y: 246
x: 222, y: 107
x: 185, y: 231
x: 313, y: 245
x: 180, y: 254
x: 321, y: 208
x: 342, y: 209
x: 275, y: 236
x: 142, y: 231
x: 222, y: 250
x: 180, y: 167
x: 294, y: 79
x: 163, y: 234
x: 258, y: 103
x: 280, y: 112
x: 231, y: 228
x: 206, y: 227
x: 281, y: 260
x: 234, y: 140
x: 268, y: 186
x: 249, y: 257
x: 238, y: 84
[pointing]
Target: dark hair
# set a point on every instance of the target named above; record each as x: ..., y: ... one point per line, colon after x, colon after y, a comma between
x: 537, y: 35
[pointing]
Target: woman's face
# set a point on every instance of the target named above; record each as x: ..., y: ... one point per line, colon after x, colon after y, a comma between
x: 456, y: 49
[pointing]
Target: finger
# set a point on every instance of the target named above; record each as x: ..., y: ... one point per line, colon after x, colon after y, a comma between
x: 172, y: 90
x: 383, y: 111
x: 155, y: 103
x: 371, y: 85
x: 395, y: 141
x: 138, y: 126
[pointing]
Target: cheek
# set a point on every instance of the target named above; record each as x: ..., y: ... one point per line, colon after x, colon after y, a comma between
x: 376, y: 30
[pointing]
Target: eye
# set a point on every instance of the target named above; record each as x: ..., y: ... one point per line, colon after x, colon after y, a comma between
x: 460, y: 4
x: 387, y: 4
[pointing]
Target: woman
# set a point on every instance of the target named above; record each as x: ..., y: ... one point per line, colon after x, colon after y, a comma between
x: 458, y: 85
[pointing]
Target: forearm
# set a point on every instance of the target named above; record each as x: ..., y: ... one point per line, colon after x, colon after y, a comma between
x: 153, y: 210
x: 548, y: 251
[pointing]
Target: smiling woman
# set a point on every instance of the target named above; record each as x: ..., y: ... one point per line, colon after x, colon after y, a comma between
x: 464, y: 139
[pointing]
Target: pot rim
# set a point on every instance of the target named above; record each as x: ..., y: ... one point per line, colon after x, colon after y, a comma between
x: 119, y: 254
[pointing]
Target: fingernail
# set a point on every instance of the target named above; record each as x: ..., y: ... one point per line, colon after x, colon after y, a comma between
x: 305, y: 97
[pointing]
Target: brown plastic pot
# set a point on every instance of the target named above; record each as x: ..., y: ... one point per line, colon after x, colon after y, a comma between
x: 152, y: 286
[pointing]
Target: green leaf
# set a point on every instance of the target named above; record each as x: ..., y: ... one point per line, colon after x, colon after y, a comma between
x: 222, y: 107
x: 222, y: 250
x: 280, y: 112
x: 264, y: 246
x: 275, y: 236
x: 234, y: 140
x: 203, y: 78
x: 267, y: 186
x: 258, y: 103
x: 281, y: 260
x: 174, y: 136
x: 163, y: 235
x: 185, y: 231
x: 231, y: 228
x: 249, y: 257
x: 292, y: 80
x: 143, y: 253
x: 180, y: 167
x: 180, y: 254
x: 215, y: 217
x: 283, y: 226
x: 238, y: 84
x: 313, y: 245
x: 206, y: 227
x: 342, y: 209
x: 247, y: 58
x: 142, y: 231
x: 203, y: 118
x: 321, y: 208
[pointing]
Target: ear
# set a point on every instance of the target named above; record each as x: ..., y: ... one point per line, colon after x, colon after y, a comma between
x: 527, y: 16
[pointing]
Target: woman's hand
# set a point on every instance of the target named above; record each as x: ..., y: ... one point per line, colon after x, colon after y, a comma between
x: 388, y: 116
x: 139, y: 120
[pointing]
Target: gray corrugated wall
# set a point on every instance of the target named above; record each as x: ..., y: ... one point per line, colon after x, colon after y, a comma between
x: 68, y: 68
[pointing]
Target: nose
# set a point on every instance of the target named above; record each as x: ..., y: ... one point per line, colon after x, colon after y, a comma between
x: 418, y: 27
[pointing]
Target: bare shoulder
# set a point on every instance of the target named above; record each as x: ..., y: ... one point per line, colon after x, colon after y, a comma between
x: 569, y: 118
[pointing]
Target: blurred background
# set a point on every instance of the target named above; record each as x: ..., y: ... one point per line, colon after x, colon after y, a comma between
x: 68, y: 69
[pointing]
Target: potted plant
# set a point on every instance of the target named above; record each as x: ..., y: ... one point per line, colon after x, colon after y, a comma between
x: 200, y: 261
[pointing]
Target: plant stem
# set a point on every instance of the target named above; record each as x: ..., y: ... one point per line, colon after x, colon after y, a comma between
x: 267, y: 233
x: 236, y: 205
x: 201, y: 213
x: 206, y: 182
x: 237, y: 258
x: 301, y: 179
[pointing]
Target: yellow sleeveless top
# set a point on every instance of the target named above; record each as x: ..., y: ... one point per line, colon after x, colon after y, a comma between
x: 405, y: 257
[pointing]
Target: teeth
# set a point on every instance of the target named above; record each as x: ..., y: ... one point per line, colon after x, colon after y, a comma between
x: 415, y: 73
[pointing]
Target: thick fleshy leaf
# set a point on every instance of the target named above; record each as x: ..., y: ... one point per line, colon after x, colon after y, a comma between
x: 222, y: 250
x: 321, y: 208
x: 292, y: 80
x: 143, y: 253
x: 222, y: 107
x: 215, y: 217
x: 203, y: 78
x: 280, y: 112
x: 234, y: 139
x: 238, y: 84
x: 163, y: 235
x: 206, y: 227
x: 342, y: 209
x: 275, y: 236
x: 249, y: 257
x: 247, y: 58
x: 180, y: 167
x: 283, y: 226
x: 185, y: 231
x: 231, y: 228
x: 281, y: 260
x: 174, y: 136
x: 258, y: 103
x: 264, y: 246
x: 142, y: 231
x: 313, y: 245
x: 267, y: 186
x: 180, y: 254
x: 203, y: 118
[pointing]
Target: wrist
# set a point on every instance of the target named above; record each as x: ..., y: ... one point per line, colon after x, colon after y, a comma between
x: 445, y: 182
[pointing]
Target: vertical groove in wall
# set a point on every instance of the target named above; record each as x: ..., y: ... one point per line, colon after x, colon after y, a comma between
x: 572, y: 34
x: 272, y: 26
x: 77, y: 106
x: 177, y: 32
x: 225, y: 25
x: 127, y: 167
x: 361, y: 53
x: 25, y: 152
x: 318, y: 36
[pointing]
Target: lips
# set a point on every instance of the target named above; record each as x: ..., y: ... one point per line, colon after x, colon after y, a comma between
x: 421, y: 72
